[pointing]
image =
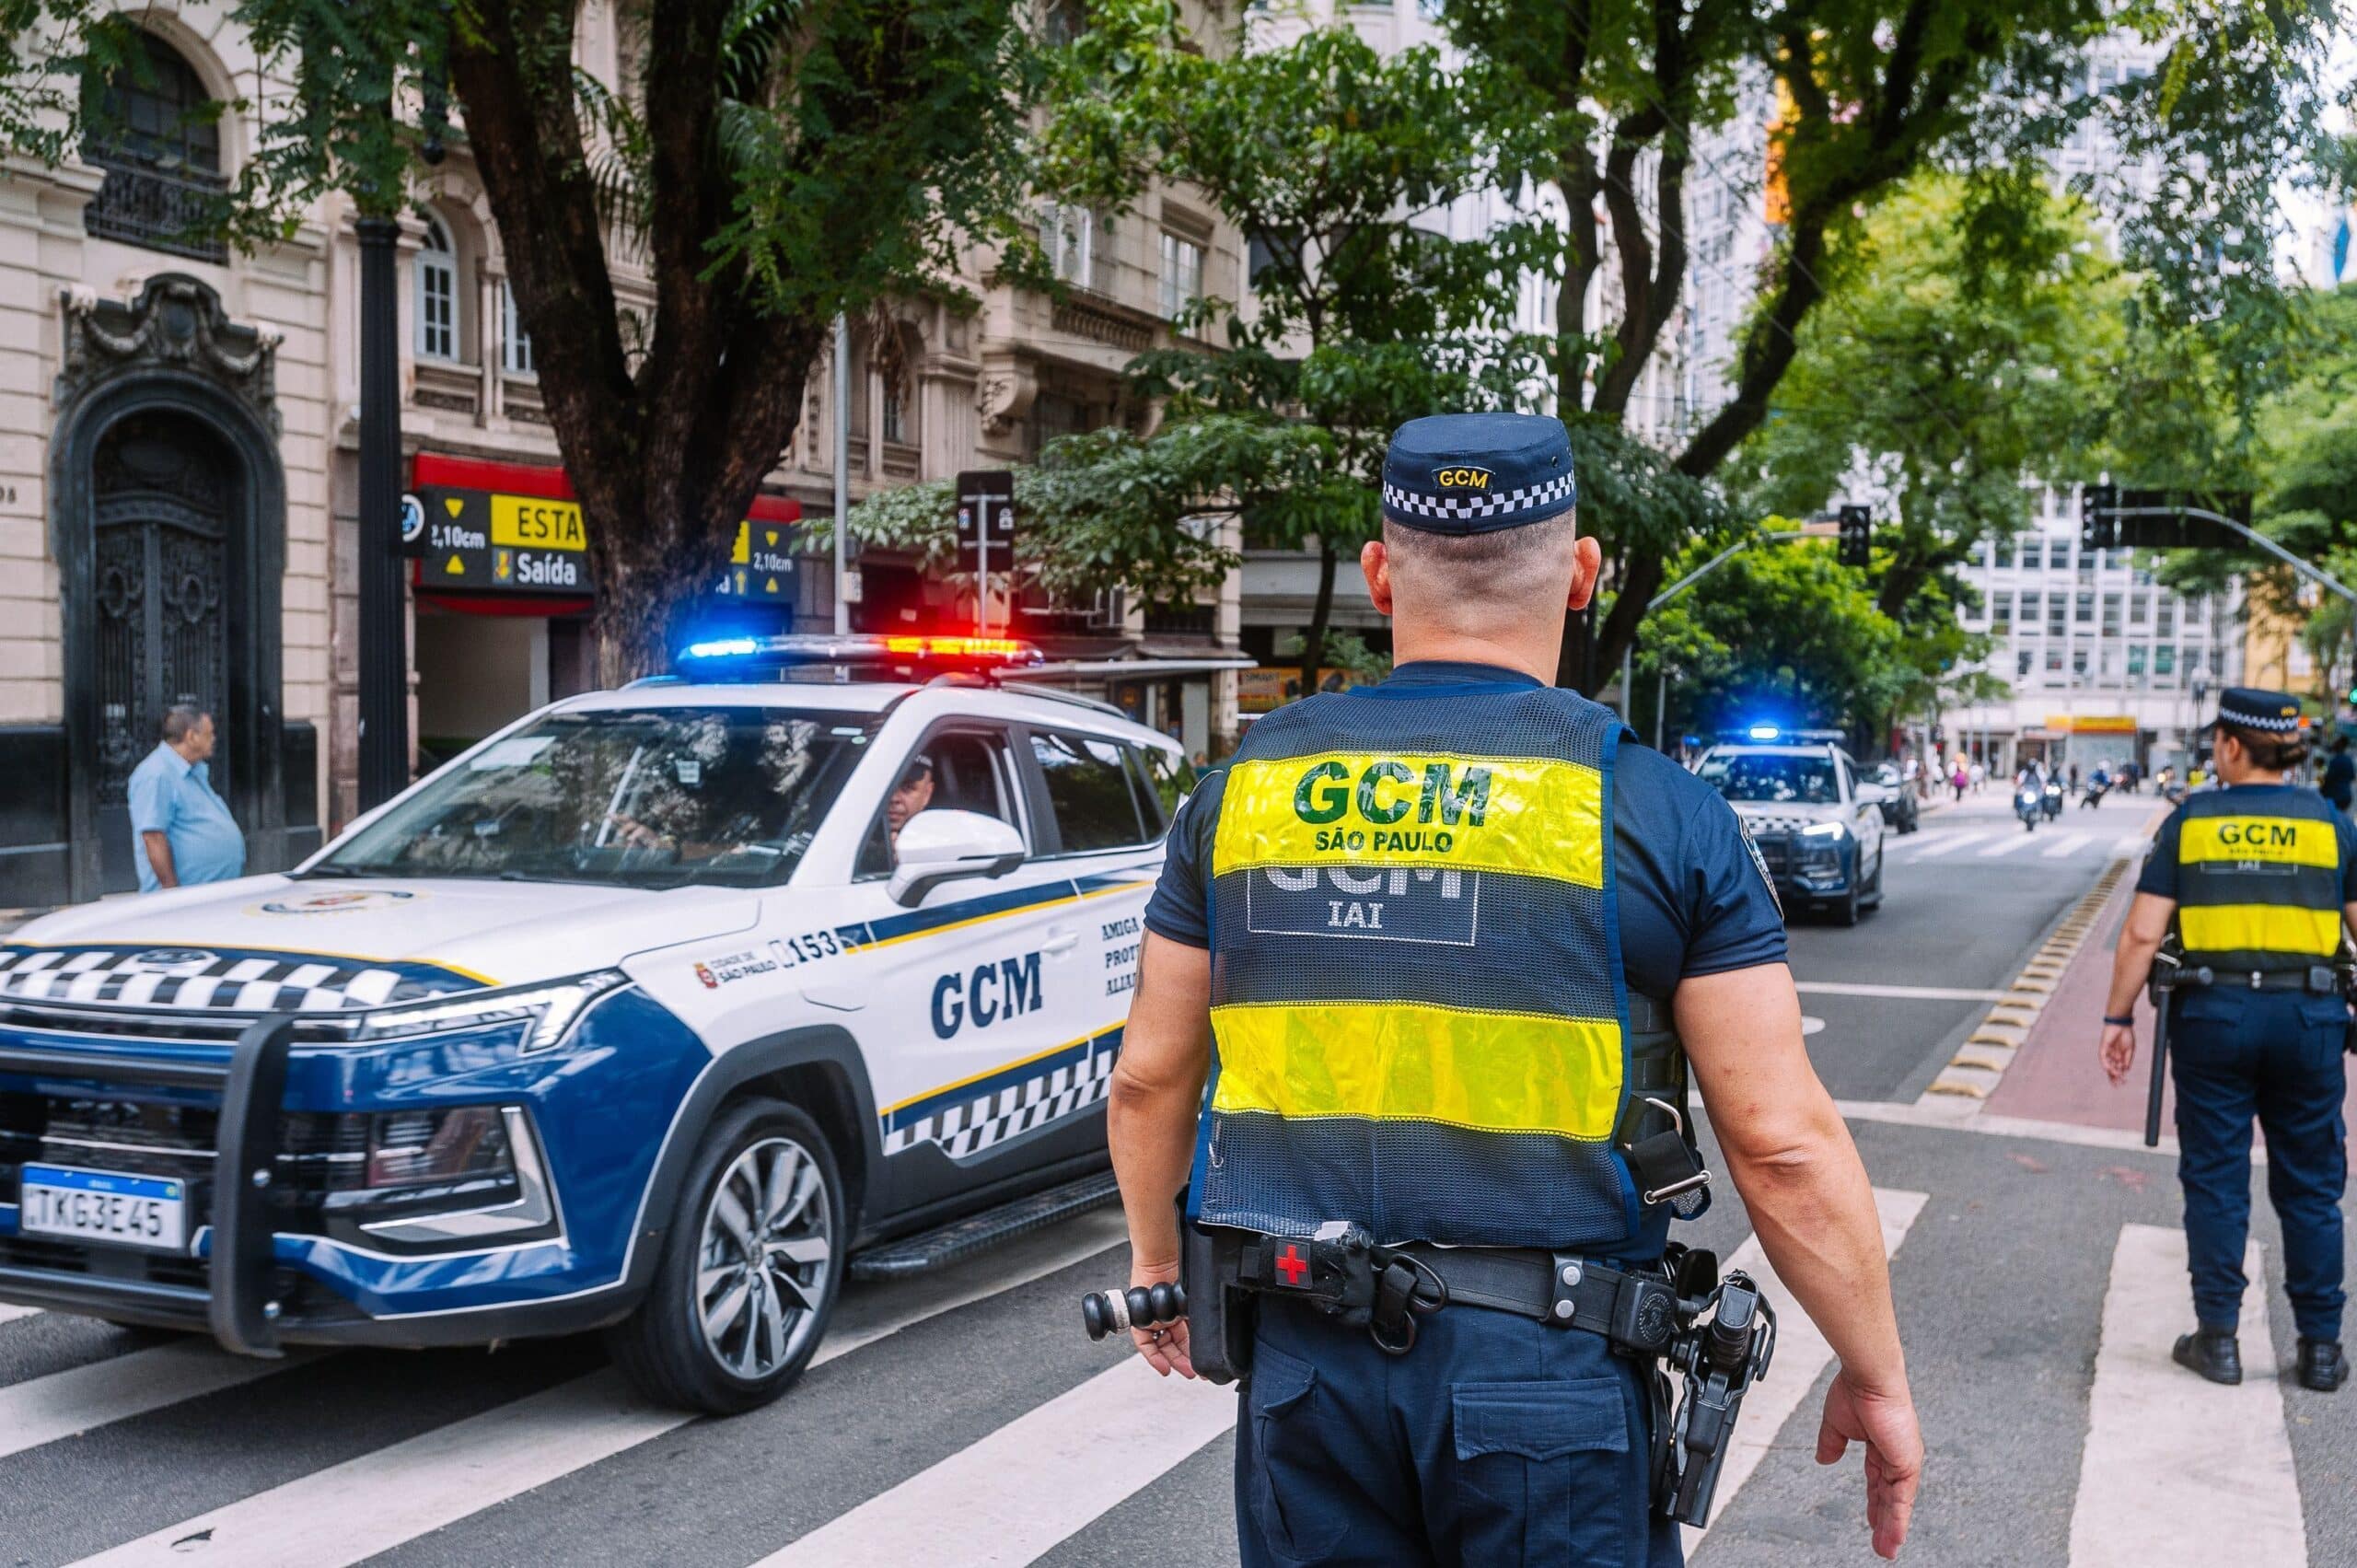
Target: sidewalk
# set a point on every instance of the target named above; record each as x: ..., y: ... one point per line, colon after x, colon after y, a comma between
x: 2057, y: 1075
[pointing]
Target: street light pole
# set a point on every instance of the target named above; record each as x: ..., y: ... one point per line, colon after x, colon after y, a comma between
x: 842, y: 469
x: 383, y: 651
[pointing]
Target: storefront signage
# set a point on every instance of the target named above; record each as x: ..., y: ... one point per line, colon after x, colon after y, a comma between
x: 1273, y: 686
x: 2090, y: 723
x: 513, y: 528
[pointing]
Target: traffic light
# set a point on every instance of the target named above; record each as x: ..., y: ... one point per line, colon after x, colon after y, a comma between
x: 1857, y: 536
x: 2098, y: 519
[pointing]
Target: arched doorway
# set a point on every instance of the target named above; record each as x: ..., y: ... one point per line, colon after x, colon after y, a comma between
x: 164, y: 496
x: 167, y: 518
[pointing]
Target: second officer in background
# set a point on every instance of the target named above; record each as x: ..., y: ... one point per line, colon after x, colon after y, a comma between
x: 1426, y: 940
x: 2257, y: 879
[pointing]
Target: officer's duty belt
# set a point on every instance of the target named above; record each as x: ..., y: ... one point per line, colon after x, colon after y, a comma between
x: 1636, y: 1310
x: 2315, y: 979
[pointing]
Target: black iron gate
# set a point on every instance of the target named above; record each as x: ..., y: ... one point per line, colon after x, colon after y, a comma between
x: 162, y: 500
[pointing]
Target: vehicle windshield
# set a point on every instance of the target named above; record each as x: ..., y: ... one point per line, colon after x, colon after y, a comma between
x: 1776, y: 779
x: 656, y: 797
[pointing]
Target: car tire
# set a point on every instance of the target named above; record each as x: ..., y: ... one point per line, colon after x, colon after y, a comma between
x: 752, y: 1264
x: 1846, y: 911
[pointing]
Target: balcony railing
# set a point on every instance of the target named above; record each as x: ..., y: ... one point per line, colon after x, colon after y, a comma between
x: 158, y: 209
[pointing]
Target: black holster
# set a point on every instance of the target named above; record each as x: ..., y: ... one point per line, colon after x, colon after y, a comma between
x: 1220, y: 1315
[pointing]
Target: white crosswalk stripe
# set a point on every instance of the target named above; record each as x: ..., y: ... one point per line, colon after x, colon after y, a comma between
x: 1033, y: 1483
x: 2005, y: 845
x: 43, y: 1410
x: 2070, y: 844
x: 375, y: 1502
x: 2173, y: 1470
x: 1945, y: 843
x: 10, y: 1314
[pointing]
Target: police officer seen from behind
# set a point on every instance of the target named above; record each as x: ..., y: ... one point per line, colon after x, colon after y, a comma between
x: 1426, y: 940
x: 2255, y: 881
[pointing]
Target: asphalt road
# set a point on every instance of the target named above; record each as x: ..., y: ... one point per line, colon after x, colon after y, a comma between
x: 961, y: 1418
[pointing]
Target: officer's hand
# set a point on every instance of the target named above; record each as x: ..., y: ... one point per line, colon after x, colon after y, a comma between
x: 2119, y: 1051
x: 1165, y: 1348
x: 1886, y: 1424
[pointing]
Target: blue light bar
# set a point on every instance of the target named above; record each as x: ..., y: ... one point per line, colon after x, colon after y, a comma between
x: 1765, y: 732
x: 726, y: 647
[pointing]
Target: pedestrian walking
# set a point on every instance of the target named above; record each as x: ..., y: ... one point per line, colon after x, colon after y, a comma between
x: 1958, y: 779
x: 1979, y: 775
x: 182, y: 834
x: 2256, y: 882
x: 1455, y: 1095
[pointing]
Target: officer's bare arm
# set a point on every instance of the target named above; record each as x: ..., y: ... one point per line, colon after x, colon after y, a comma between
x: 2140, y: 939
x: 1150, y: 1115
x: 1813, y: 1208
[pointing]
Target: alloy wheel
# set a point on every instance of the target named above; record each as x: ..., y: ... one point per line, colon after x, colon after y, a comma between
x: 761, y: 1266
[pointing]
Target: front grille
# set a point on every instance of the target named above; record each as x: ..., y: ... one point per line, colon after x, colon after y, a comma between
x: 319, y: 1152
x: 1777, y: 854
x: 190, y: 1024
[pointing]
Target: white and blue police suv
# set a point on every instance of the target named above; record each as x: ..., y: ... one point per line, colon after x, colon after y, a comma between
x: 660, y: 1011
x: 1813, y: 817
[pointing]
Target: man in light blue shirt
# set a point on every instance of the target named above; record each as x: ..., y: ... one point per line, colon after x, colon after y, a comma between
x: 185, y: 835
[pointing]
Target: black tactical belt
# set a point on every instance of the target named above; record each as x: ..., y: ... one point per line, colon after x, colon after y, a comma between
x: 1637, y: 1312
x: 2316, y: 980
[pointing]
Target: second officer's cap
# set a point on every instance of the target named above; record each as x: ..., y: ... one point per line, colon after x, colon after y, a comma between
x: 1460, y: 473
x: 2253, y: 707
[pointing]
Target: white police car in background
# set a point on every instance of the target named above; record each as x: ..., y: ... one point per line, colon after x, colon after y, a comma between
x: 1815, y: 819
x: 660, y: 1011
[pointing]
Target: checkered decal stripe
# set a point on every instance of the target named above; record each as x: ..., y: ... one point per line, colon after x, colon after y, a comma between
x: 230, y: 982
x: 1555, y: 492
x: 972, y: 1126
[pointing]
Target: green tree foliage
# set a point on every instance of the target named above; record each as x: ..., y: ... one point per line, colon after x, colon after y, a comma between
x: 1973, y: 340
x: 769, y: 165
x: 2303, y: 453
x: 1108, y: 509
x: 1340, y: 165
x: 1872, y: 94
x: 1785, y: 631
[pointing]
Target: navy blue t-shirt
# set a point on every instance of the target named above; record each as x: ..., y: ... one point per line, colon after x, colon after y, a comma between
x: 2159, y: 876
x: 1692, y: 898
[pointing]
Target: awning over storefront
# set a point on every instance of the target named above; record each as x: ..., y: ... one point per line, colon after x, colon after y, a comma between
x: 478, y: 528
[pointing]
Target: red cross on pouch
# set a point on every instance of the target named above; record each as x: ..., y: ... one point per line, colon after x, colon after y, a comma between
x: 1293, y: 1265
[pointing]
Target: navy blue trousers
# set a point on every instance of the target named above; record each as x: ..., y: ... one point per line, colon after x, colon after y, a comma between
x: 1496, y: 1441
x: 2275, y: 1056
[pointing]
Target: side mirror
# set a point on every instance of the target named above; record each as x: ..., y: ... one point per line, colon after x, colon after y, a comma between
x: 944, y: 845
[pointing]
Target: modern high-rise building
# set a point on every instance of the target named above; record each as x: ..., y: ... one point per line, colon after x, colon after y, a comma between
x: 2104, y: 662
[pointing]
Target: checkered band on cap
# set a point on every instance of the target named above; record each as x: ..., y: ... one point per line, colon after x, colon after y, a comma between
x: 1546, y: 498
x: 2277, y: 713
x: 1461, y: 473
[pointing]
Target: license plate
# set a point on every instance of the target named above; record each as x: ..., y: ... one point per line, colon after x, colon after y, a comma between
x: 105, y: 1206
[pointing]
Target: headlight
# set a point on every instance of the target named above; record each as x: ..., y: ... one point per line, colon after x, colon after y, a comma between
x: 550, y: 1009
x: 419, y: 1148
x: 454, y: 1176
x: 1825, y: 830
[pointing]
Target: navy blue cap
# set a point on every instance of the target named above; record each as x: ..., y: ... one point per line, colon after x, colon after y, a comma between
x: 1462, y: 474
x: 2254, y: 707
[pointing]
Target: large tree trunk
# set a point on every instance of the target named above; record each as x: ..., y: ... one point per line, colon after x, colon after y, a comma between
x: 1321, y: 613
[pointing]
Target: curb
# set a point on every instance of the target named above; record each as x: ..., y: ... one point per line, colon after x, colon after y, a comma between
x: 1991, y: 1047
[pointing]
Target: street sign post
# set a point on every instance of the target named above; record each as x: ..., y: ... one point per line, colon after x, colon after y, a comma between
x: 985, y: 528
